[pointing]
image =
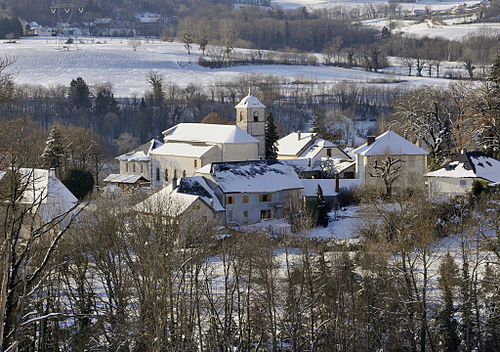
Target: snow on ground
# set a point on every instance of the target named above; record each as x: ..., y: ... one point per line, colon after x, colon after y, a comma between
x: 343, y: 226
x: 451, y: 29
x: 316, y: 4
x: 46, y: 61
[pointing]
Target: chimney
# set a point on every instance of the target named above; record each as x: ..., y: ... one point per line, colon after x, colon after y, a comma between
x: 298, y: 135
x: 337, y: 183
x: 309, y: 162
x: 52, y: 172
x: 370, y: 140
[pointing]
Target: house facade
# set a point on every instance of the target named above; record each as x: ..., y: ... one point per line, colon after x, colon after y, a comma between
x: 138, y: 161
x: 411, y: 159
x: 457, y: 176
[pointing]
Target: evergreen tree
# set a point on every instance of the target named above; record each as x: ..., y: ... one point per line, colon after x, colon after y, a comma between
x: 79, y: 182
x: 53, y: 153
x: 271, y: 137
x: 448, y: 280
x: 322, y: 208
x: 105, y: 101
x: 491, y: 287
x: 79, y: 93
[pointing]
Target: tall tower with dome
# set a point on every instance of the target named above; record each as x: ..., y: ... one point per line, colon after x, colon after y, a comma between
x: 251, y: 118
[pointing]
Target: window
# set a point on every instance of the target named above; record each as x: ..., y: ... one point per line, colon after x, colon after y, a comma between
x: 265, y: 214
x: 166, y: 175
x: 245, y: 199
x: 329, y: 152
x: 245, y: 214
x: 463, y: 183
x: 195, y: 163
x: 229, y: 200
x: 255, y: 116
x: 157, y: 174
x: 241, y: 115
x: 183, y: 173
x: 175, y: 174
x: 133, y: 167
x: 265, y: 197
x: 126, y: 167
x: 142, y: 168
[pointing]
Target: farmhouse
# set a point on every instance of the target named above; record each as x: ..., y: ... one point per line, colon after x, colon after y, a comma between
x: 456, y: 176
x: 410, y: 159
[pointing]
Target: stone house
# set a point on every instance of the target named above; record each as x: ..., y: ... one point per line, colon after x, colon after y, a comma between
x: 412, y: 160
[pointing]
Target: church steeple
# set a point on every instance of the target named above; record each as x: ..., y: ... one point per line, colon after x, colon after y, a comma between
x: 250, y: 117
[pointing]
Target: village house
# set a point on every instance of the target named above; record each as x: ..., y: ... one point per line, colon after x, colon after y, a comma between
x: 308, y: 146
x: 409, y: 158
x: 457, y: 176
x: 254, y: 190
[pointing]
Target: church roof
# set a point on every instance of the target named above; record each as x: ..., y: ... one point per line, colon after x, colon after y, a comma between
x: 390, y: 143
x: 207, y: 133
x: 250, y: 102
x: 183, y: 149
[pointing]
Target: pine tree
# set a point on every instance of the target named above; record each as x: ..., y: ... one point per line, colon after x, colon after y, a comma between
x: 53, y: 153
x: 448, y: 280
x: 322, y: 208
x: 79, y: 93
x: 271, y: 137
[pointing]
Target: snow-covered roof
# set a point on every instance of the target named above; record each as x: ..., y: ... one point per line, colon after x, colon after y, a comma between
x: 205, y: 169
x: 183, y: 149
x: 292, y: 144
x: 207, y: 133
x: 124, y: 178
x: 470, y: 165
x: 314, y: 164
x: 197, y: 185
x: 316, y: 147
x: 142, y: 152
x: 327, y: 186
x: 166, y: 201
x: 45, y: 191
x: 250, y: 102
x: 255, y: 176
x: 390, y: 143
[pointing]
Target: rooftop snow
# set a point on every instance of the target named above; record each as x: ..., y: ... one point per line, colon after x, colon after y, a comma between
x: 208, y: 133
x: 292, y: 144
x: 197, y: 185
x: 142, y: 152
x: 166, y: 201
x: 183, y: 149
x: 205, y: 169
x: 390, y: 143
x: 250, y: 102
x: 124, y: 178
x: 255, y: 176
x: 470, y: 165
x: 313, y: 150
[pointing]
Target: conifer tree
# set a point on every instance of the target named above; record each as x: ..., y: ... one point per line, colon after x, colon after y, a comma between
x: 53, y: 153
x: 79, y: 93
x: 271, y: 137
x: 448, y: 280
x: 322, y: 208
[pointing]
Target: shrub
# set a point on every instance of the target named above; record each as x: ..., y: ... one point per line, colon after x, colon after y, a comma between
x: 79, y: 182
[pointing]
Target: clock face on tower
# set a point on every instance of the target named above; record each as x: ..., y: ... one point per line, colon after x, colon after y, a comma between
x: 256, y: 116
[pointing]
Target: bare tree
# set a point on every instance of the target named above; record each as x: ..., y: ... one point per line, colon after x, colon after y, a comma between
x: 388, y: 169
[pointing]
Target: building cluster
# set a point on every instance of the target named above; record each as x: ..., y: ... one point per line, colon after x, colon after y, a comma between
x: 219, y: 172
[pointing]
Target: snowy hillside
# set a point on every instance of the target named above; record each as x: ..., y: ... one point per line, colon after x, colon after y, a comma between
x: 422, y: 4
x: 46, y: 61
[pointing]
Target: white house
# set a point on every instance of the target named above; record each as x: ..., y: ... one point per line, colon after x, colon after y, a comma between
x: 44, y: 193
x: 138, y: 161
x: 412, y: 159
x: 456, y: 176
x: 309, y: 146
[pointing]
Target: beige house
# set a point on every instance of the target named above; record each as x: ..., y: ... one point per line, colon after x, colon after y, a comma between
x: 412, y: 160
x: 309, y: 146
x: 456, y: 176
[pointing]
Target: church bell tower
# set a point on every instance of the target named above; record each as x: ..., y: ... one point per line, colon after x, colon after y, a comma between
x: 250, y: 117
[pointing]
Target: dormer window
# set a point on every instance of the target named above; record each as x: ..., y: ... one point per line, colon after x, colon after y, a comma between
x: 255, y: 116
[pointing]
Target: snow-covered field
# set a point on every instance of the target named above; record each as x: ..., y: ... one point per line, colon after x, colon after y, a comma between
x: 47, y: 62
x: 422, y: 4
x: 449, y: 30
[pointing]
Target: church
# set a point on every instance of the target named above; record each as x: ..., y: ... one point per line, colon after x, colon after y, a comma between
x: 188, y: 147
